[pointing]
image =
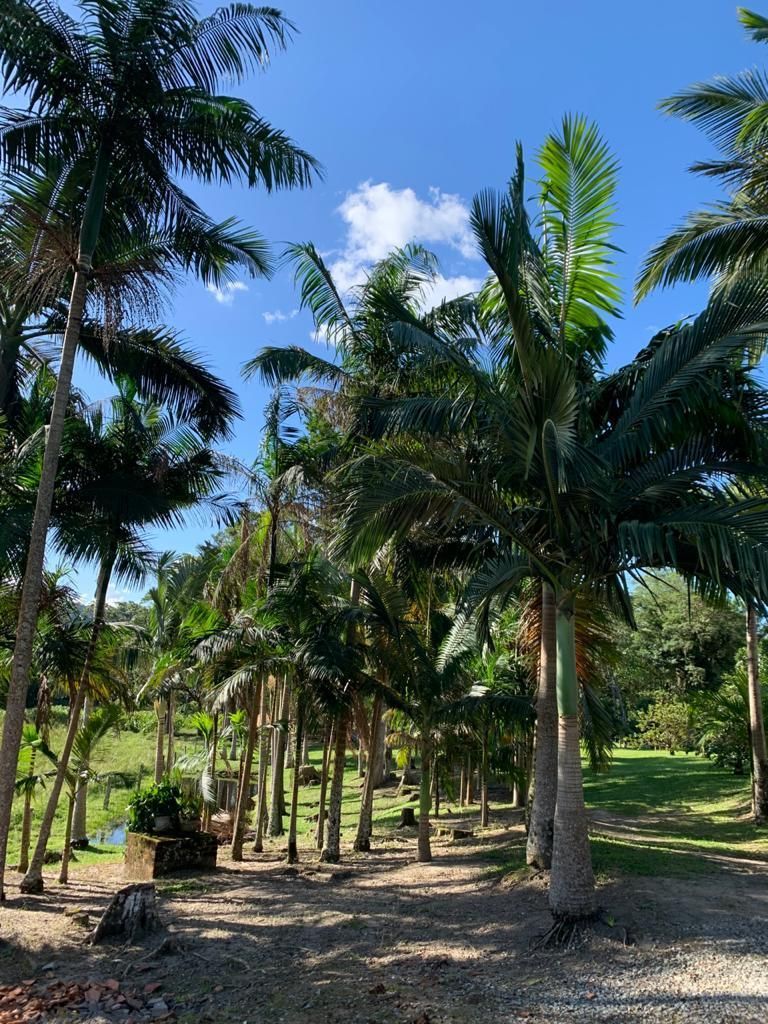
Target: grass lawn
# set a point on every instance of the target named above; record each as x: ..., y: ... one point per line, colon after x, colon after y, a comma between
x: 656, y: 814
x: 678, y: 808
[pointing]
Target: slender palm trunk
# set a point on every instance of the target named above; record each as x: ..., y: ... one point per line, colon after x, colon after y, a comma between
x: 170, y: 757
x: 66, y: 853
x: 33, y: 880
x: 362, y: 842
x: 244, y: 789
x: 293, y: 849
x: 26, y: 831
x: 277, y: 808
x: 16, y: 696
x: 332, y: 849
x: 79, y: 839
x: 261, y: 796
x: 212, y: 755
x: 544, y: 786
x: 424, y: 847
x: 756, y: 724
x: 462, y: 783
x: 572, y: 881
x: 469, y: 797
x: 484, y: 780
x: 324, y: 769
x: 160, y: 712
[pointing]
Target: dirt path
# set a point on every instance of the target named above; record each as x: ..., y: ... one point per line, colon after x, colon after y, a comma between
x: 382, y: 940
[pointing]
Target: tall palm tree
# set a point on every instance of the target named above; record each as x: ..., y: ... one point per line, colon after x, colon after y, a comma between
x: 586, y: 481
x: 130, y: 472
x: 562, y: 268
x: 126, y: 99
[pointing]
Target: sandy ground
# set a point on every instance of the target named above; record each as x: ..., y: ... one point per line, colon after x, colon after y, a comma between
x: 383, y: 940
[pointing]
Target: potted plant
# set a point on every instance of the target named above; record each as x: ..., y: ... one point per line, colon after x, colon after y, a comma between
x: 191, y: 812
x: 155, y: 809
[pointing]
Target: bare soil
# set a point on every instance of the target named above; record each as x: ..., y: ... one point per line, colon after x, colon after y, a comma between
x: 380, y: 939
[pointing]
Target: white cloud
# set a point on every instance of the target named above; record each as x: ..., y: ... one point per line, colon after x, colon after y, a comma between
x: 226, y: 295
x: 443, y: 288
x: 278, y: 316
x: 380, y: 218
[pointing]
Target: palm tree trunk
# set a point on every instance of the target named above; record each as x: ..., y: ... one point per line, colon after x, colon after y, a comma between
x: 160, y: 711
x: 463, y: 783
x: 544, y: 786
x: 261, y: 796
x: 470, y: 796
x: 484, y: 780
x: 324, y: 767
x: 212, y: 756
x: 16, y: 696
x: 424, y: 849
x: 79, y: 838
x: 362, y: 842
x: 244, y: 789
x: 171, y: 731
x: 332, y: 849
x: 66, y: 853
x: 26, y: 831
x: 277, y: 808
x: 293, y: 849
x: 572, y: 881
x: 756, y: 724
x: 33, y: 880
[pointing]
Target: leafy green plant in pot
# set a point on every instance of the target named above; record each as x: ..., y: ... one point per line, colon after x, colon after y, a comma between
x: 191, y: 812
x: 155, y: 809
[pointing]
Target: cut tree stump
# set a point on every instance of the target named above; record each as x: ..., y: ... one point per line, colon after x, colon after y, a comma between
x: 407, y: 818
x: 132, y: 911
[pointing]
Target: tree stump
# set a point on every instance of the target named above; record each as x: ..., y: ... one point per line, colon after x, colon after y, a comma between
x: 407, y: 818
x: 132, y: 911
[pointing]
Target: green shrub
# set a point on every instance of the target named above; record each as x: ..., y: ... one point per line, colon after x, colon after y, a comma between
x: 159, y: 799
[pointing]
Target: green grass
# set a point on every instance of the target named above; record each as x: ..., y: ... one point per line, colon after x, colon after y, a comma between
x: 682, y: 803
x: 672, y: 816
x: 130, y: 755
x: 673, y: 813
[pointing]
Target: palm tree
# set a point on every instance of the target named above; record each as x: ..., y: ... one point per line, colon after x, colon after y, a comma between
x: 137, y: 470
x: 126, y: 100
x: 29, y: 779
x: 91, y: 732
x: 129, y: 276
x: 725, y: 241
x: 555, y: 460
x: 756, y: 722
x: 567, y: 288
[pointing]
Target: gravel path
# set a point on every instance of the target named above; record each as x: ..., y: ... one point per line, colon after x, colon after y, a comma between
x: 382, y: 940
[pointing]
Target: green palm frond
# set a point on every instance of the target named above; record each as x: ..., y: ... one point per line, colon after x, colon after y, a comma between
x: 578, y: 205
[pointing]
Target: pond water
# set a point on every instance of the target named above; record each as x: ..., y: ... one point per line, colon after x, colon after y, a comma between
x: 114, y: 836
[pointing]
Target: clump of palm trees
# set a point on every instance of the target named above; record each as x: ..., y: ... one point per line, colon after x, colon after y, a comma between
x: 431, y: 563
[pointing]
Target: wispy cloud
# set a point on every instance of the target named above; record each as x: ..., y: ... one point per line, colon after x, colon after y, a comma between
x: 226, y: 294
x: 277, y: 316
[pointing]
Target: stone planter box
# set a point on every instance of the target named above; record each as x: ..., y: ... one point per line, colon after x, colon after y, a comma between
x: 148, y: 857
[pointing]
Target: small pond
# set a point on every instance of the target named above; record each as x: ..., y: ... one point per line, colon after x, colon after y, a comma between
x: 114, y: 836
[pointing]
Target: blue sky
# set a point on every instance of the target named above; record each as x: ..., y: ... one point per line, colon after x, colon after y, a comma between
x: 412, y: 107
